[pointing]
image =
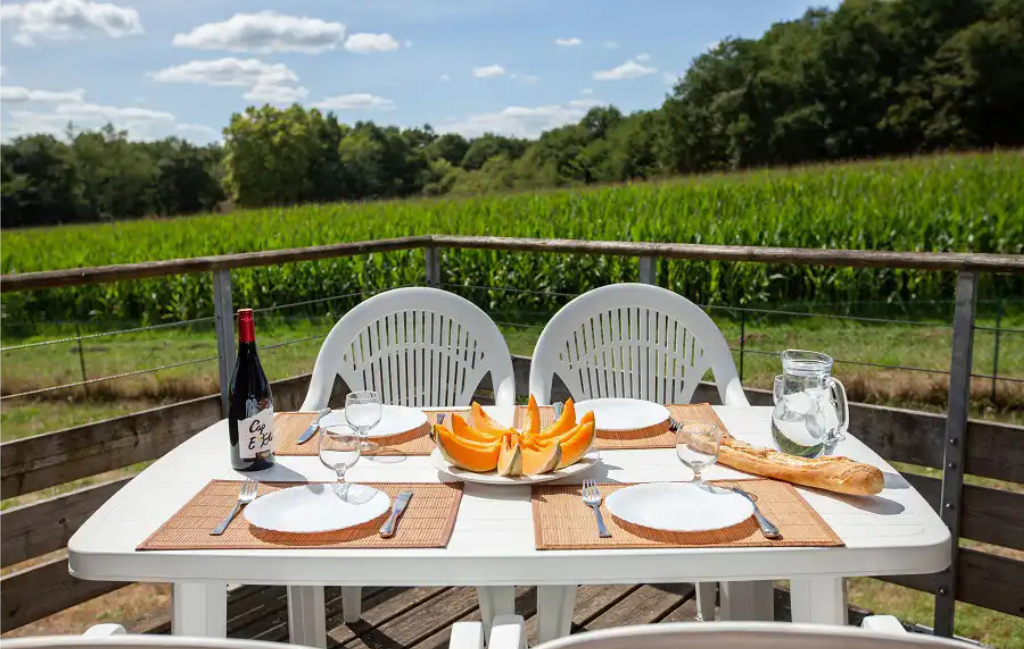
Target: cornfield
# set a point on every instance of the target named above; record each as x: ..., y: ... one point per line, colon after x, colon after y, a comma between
x: 970, y: 202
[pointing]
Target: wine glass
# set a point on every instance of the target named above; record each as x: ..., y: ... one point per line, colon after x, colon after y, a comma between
x: 339, y: 448
x: 362, y: 412
x: 697, y: 446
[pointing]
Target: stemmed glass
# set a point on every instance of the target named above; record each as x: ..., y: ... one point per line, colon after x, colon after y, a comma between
x: 362, y: 412
x: 339, y: 449
x: 697, y: 446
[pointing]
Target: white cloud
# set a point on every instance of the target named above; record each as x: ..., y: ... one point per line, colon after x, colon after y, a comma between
x: 141, y: 123
x: 642, y: 57
x: 66, y: 19
x: 628, y: 70
x: 518, y: 121
x: 489, y: 71
x: 17, y: 94
x: 356, y: 101
x: 267, y: 31
x: 265, y: 82
x: 568, y: 42
x: 587, y: 91
x: 446, y: 78
x: 366, y: 43
x: 611, y: 45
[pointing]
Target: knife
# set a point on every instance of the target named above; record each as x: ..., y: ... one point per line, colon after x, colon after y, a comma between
x: 313, y: 427
x: 767, y: 528
x: 401, y: 502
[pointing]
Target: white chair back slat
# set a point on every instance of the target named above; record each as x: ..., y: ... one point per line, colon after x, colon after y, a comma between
x: 636, y: 341
x: 417, y: 347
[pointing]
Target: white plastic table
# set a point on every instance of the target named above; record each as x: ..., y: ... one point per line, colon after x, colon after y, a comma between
x: 492, y: 544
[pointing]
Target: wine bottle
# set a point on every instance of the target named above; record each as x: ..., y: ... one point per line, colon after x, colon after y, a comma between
x: 251, y: 406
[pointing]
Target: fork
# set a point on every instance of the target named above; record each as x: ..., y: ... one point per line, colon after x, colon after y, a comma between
x: 592, y: 499
x: 246, y: 495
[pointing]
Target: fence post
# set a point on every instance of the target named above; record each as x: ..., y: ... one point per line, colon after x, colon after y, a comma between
x: 995, y: 351
x: 433, y: 262
x: 743, y: 339
x: 649, y: 270
x: 81, y: 360
x: 960, y: 368
x: 224, y: 320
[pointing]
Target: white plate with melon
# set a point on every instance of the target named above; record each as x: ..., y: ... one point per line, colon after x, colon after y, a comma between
x: 482, y: 450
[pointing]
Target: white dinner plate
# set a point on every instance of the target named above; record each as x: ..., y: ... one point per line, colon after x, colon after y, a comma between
x: 394, y: 420
x: 623, y: 414
x: 679, y: 507
x: 492, y: 477
x: 317, y: 507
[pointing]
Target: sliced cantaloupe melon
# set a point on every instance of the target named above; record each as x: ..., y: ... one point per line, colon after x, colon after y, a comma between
x: 565, y: 422
x: 531, y: 427
x: 510, y: 458
x: 486, y: 424
x: 462, y: 429
x: 543, y: 460
x: 575, y: 445
x: 466, y: 454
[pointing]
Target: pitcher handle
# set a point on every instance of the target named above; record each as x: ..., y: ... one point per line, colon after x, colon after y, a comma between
x: 842, y: 408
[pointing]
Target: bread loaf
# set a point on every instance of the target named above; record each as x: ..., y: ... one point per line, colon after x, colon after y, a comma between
x: 832, y: 473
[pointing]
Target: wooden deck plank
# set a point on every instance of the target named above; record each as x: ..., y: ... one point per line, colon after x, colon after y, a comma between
x: 526, y: 605
x: 645, y: 605
x: 435, y: 614
x: 377, y: 610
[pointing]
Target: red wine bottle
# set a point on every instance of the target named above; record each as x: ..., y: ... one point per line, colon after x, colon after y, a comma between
x: 251, y: 409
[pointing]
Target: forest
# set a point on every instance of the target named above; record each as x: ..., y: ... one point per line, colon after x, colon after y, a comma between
x: 870, y: 79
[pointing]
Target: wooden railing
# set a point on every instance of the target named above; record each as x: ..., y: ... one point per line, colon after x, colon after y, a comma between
x: 39, y: 531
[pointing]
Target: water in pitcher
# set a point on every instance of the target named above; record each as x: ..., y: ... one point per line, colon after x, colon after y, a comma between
x: 810, y: 414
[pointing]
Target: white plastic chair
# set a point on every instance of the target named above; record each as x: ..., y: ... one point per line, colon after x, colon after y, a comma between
x: 642, y: 342
x: 416, y: 347
x: 877, y: 632
x: 113, y: 636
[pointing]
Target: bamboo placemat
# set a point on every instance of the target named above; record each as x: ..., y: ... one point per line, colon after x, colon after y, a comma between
x: 427, y: 523
x: 658, y: 436
x: 290, y: 425
x: 562, y: 522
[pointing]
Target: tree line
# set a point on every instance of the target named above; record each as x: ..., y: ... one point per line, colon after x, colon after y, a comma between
x: 872, y: 78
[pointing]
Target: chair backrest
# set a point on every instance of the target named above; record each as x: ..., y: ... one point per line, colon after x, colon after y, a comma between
x: 747, y: 635
x: 416, y: 347
x: 633, y: 340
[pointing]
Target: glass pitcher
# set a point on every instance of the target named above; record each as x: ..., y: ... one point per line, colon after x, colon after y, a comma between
x: 811, y: 414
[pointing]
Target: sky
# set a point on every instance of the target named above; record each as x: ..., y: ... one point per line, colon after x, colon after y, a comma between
x: 517, y: 67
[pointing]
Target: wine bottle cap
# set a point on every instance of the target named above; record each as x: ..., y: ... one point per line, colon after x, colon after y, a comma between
x: 246, y: 327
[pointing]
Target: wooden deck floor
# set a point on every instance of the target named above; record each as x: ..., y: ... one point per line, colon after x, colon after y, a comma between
x: 421, y: 618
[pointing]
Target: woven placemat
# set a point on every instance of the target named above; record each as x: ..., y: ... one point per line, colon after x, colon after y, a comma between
x: 427, y: 523
x: 658, y: 436
x: 562, y: 522
x: 291, y: 425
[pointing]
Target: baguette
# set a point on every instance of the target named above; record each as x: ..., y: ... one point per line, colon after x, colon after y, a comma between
x: 832, y: 473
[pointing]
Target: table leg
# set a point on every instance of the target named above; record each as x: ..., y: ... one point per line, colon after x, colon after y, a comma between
x: 747, y: 601
x: 554, y: 611
x: 819, y: 600
x: 307, y: 618
x: 200, y: 609
x: 495, y: 601
x: 351, y: 603
x: 706, y: 591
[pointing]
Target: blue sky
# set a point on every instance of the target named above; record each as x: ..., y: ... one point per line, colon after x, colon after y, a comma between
x: 175, y: 67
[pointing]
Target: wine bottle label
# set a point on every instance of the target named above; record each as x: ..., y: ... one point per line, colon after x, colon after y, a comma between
x: 256, y: 434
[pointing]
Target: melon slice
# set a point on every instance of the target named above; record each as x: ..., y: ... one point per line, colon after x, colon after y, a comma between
x: 486, y: 424
x: 510, y: 458
x: 531, y: 427
x: 465, y: 454
x: 544, y: 460
x: 576, y: 444
x: 463, y: 430
x: 565, y: 422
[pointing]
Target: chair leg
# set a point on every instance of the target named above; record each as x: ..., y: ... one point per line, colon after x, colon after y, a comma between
x: 307, y: 618
x: 200, y: 609
x: 351, y: 603
x: 554, y: 611
x: 706, y: 600
x: 495, y: 601
x: 819, y: 600
x: 747, y: 601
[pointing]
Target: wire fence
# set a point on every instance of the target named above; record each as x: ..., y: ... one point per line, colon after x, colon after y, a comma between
x: 742, y: 350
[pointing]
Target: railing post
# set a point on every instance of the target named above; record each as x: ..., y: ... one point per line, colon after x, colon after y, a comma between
x: 433, y: 262
x: 649, y: 270
x: 995, y: 351
x: 743, y: 339
x: 224, y: 321
x: 955, y: 445
x: 81, y: 360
